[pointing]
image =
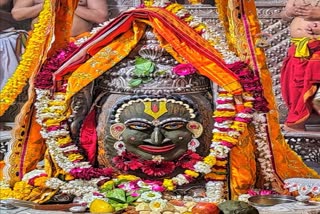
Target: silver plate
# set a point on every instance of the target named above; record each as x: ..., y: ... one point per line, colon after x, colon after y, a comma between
x: 270, y: 200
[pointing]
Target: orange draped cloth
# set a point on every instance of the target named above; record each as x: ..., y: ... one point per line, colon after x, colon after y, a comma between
x: 242, y: 36
x: 183, y: 39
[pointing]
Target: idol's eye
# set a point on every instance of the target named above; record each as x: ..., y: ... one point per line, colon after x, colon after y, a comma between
x: 138, y: 126
x: 173, y: 125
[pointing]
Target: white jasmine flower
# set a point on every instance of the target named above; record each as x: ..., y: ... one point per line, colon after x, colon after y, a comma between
x: 202, y: 167
x: 180, y: 180
x: 150, y: 196
x: 157, y: 205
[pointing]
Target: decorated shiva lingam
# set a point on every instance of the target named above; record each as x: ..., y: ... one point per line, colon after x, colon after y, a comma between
x: 151, y: 115
x: 154, y: 122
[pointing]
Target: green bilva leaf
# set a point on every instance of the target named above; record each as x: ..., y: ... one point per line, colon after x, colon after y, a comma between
x: 131, y: 199
x: 143, y: 66
x: 113, y: 202
x: 118, y: 207
x: 118, y: 195
x: 146, y: 79
x: 135, y: 82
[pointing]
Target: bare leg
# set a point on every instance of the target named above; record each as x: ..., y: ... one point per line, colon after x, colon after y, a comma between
x: 294, y: 128
x: 316, y: 101
x: 316, y: 105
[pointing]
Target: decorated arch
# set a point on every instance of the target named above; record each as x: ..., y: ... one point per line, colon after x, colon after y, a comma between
x: 245, y: 116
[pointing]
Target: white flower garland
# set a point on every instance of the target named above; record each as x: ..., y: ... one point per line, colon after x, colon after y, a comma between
x: 83, y: 189
x: 44, y: 105
x: 264, y: 150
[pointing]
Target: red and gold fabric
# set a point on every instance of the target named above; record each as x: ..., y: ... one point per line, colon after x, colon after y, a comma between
x: 182, y: 39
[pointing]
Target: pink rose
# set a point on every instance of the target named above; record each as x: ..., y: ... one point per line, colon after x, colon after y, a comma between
x: 184, y: 69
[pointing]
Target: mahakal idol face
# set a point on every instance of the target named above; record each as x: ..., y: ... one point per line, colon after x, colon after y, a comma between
x: 156, y: 127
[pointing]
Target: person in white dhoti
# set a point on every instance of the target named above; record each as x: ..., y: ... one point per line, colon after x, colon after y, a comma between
x: 11, y: 42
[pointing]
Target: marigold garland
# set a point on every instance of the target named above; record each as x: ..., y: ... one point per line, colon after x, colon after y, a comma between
x: 30, y: 59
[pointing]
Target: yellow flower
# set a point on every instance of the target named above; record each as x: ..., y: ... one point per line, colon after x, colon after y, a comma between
x: 54, y: 121
x: 248, y: 104
x: 224, y: 113
x: 21, y: 185
x: 27, y: 65
x: 107, y: 184
x: 68, y: 177
x: 191, y: 173
x: 53, y: 110
x: 174, y: 8
x: 128, y: 177
x: 212, y: 42
x: 210, y: 160
x: 5, y: 193
x: 224, y: 137
x: 21, y: 190
x: 56, y: 103
x: 221, y: 163
x: 239, y: 126
x: 200, y: 27
x: 65, y: 140
x: 188, y: 19
x: 148, y: 3
x: 157, y: 205
x: 34, y: 193
x: 226, y: 95
x: 40, y: 182
x: 168, y: 184
x: 74, y: 157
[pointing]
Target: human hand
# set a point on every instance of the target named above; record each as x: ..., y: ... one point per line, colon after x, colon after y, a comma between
x: 313, y: 28
x: 290, y: 11
x: 308, y: 12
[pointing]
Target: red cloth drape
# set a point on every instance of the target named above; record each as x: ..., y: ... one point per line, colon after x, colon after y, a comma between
x: 299, y: 77
x: 88, y: 136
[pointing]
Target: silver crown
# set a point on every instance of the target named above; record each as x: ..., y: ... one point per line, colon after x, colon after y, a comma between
x: 161, y: 81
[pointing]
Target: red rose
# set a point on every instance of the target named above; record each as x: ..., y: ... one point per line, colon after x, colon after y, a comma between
x: 184, y: 69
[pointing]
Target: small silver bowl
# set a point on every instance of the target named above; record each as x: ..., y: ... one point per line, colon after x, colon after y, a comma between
x: 270, y: 200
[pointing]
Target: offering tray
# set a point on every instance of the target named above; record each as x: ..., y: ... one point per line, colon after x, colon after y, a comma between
x: 270, y: 200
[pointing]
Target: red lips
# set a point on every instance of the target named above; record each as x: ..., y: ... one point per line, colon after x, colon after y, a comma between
x: 157, y: 149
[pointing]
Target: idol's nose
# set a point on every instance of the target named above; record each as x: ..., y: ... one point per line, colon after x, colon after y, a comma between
x: 157, y: 138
